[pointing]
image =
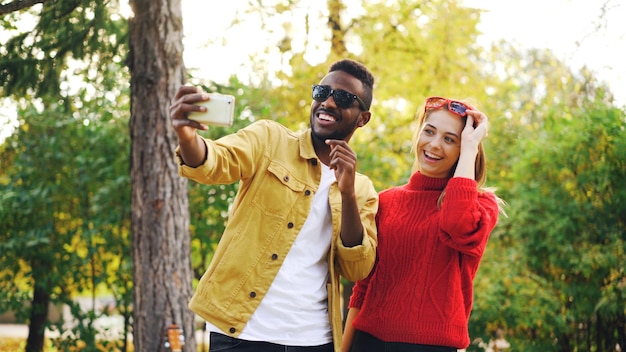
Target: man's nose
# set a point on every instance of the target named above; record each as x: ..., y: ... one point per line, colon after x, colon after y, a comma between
x: 330, y: 100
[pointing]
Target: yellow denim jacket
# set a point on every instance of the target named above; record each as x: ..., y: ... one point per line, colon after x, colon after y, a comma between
x: 278, y: 172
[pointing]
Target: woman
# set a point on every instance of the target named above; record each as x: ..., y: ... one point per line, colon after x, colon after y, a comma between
x: 432, y: 233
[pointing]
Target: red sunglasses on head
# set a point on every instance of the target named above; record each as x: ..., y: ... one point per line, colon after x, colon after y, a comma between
x: 454, y: 106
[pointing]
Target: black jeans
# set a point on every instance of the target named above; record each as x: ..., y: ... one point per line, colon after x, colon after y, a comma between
x: 364, y: 342
x: 220, y: 342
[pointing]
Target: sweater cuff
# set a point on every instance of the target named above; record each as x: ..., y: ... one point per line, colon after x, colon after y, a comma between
x: 356, y: 300
x: 462, y: 188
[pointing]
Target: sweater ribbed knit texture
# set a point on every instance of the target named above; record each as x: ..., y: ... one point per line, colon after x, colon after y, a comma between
x: 421, y: 289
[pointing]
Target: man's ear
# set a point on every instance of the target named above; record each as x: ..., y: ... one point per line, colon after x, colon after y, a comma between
x: 364, y: 118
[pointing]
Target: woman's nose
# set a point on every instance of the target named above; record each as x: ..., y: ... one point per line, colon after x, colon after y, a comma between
x: 436, y: 142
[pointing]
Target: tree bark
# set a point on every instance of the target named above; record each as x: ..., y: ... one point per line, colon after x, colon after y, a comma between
x: 38, y: 317
x: 159, y: 204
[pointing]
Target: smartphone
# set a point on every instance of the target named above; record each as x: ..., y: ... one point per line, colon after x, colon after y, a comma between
x: 220, y: 110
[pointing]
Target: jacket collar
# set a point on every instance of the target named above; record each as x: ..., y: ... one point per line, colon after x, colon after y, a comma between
x: 305, y: 140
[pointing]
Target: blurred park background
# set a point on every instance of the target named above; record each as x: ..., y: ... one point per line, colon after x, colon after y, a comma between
x: 96, y: 226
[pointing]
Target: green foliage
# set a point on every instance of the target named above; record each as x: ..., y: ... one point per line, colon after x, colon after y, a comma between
x: 65, y: 204
x: 88, y: 31
x: 65, y: 209
x: 568, y: 193
x: 66, y: 185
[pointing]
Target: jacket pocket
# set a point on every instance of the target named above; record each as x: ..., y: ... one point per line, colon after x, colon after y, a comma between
x: 278, y: 192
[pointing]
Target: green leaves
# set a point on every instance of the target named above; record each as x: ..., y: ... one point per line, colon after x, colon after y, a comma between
x: 64, y: 210
x: 65, y: 30
x: 568, y: 197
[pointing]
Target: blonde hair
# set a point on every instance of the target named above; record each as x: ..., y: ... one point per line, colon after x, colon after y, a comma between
x: 480, y: 164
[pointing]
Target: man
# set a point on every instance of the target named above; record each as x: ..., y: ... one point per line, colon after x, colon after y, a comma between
x: 302, y: 217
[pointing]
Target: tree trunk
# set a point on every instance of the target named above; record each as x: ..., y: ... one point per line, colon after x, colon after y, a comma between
x: 38, y: 318
x: 159, y: 204
x: 337, y: 30
x: 621, y: 331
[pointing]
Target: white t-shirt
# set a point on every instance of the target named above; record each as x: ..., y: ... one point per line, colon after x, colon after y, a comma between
x: 294, y: 311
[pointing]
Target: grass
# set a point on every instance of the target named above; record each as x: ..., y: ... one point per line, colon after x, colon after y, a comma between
x: 13, y: 344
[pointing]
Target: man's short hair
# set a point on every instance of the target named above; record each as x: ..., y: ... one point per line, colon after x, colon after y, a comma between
x: 360, y: 72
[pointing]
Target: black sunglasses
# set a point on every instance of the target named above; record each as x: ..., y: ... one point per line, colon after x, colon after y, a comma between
x: 342, y: 98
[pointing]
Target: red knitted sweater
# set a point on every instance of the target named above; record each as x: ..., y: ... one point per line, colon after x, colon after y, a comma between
x: 421, y: 289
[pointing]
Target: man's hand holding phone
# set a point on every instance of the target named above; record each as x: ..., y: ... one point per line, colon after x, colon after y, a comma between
x: 193, y: 109
x: 190, y: 109
x: 183, y: 103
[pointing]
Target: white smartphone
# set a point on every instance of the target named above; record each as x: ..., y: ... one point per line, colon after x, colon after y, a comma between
x: 220, y: 110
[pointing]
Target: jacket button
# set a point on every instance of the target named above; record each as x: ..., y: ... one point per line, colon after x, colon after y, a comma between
x: 232, y: 330
x: 274, y: 256
x: 252, y: 294
x: 290, y: 225
x: 286, y: 178
x: 307, y: 192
